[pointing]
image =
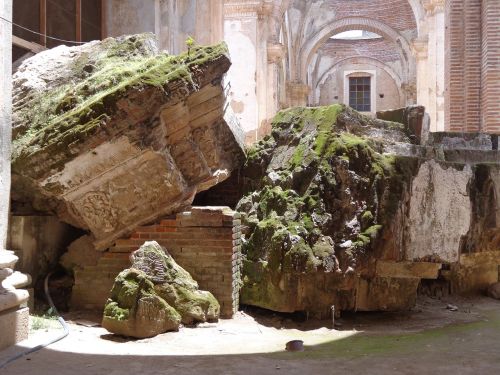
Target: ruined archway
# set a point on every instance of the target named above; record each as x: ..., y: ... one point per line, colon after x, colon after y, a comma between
x: 355, y: 23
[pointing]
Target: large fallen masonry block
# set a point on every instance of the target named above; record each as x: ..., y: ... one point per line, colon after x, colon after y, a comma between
x: 111, y: 135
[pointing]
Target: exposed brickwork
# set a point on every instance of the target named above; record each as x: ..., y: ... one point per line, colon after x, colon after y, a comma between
x: 473, y: 65
x: 380, y: 48
x: 490, y: 64
x: 205, y: 241
x: 395, y: 13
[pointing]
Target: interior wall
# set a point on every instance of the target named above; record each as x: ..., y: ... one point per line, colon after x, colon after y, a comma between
x: 331, y: 90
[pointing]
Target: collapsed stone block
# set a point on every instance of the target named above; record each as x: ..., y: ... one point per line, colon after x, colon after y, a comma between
x: 342, y: 209
x: 113, y: 134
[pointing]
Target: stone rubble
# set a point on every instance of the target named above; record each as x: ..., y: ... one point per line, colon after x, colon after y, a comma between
x: 156, y: 295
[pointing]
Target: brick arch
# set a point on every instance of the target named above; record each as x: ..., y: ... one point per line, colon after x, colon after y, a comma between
x: 418, y: 11
x: 362, y: 60
x: 354, y: 23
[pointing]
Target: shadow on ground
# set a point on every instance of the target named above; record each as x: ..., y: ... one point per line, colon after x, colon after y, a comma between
x: 459, y: 348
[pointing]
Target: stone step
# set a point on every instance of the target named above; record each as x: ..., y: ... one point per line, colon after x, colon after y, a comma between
x: 7, y: 259
x: 17, y: 280
x: 12, y: 298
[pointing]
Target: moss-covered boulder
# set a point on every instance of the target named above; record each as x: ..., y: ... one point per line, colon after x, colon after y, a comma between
x: 321, y: 192
x: 134, y: 309
x: 155, y: 295
x: 113, y: 134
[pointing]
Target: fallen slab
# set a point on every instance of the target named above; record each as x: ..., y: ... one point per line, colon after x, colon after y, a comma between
x: 113, y: 134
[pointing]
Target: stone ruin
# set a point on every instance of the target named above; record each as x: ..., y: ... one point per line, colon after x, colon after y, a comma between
x: 114, y: 134
x: 337, y: 208
x: 342, y: 209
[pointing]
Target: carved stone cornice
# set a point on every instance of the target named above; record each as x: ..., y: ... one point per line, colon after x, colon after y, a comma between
x: 298, y: 91
x: 275, y: 52
x: 242, y: 8
x: 433, y: 6
x: 420, y: 48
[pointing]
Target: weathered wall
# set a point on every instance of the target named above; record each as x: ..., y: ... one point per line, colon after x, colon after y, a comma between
x: 332, y: 89
x: 204, y: 241
x: 241, y: 37
x: 129, y: 17
x: 173, y: 21
x: 179, y: 19
x: 440, y: 212
x: 39, y: 241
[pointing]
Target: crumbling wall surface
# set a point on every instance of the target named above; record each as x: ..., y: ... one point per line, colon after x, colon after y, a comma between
x: 112, y: 135
x: 345, y: 210
x: 440, y: 212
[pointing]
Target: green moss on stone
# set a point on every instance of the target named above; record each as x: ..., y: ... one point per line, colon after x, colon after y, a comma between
x: 72, y: 112
x: 114, y: 311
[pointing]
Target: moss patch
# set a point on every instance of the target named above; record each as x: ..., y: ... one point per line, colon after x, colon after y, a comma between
x: 320, y: 192
x: 71, y: 112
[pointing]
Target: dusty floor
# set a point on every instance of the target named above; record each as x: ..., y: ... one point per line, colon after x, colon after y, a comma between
x: 429, y: 340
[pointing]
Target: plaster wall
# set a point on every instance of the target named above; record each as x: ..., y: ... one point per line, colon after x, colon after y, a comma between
x: 332, y: 89
x: 241, y: 38
x: 440, y: 212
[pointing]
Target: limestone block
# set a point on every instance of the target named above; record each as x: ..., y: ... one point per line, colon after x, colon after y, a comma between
x: 14, y: 326
x: 126, y: 136
x: 10, y: 298
x: 423, y: 270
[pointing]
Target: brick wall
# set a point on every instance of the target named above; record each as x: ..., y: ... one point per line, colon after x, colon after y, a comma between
x: 395, y: 13
x: 473, y: 65
x: 205, y: 241
x: 490, y: 78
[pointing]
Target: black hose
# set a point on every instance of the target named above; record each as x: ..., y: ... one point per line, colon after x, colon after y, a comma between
x: 41, y: 346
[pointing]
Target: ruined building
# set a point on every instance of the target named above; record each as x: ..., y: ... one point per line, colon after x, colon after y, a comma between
x: 138, y: 137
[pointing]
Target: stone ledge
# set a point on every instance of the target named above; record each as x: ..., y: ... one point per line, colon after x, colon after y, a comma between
x: 7, y: 259
x: 423, y: 270
x: 12, y: 298
x: 17, y: 280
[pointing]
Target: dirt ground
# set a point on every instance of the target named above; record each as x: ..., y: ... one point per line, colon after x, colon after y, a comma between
x: 431, y: 339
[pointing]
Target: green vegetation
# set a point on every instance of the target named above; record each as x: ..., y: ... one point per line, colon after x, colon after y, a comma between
x: 317, y: 182
x: 46, y: 320
x: 71, y: 112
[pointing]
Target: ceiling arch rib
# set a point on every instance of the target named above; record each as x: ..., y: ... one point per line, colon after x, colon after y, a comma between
x: 353, y: 23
